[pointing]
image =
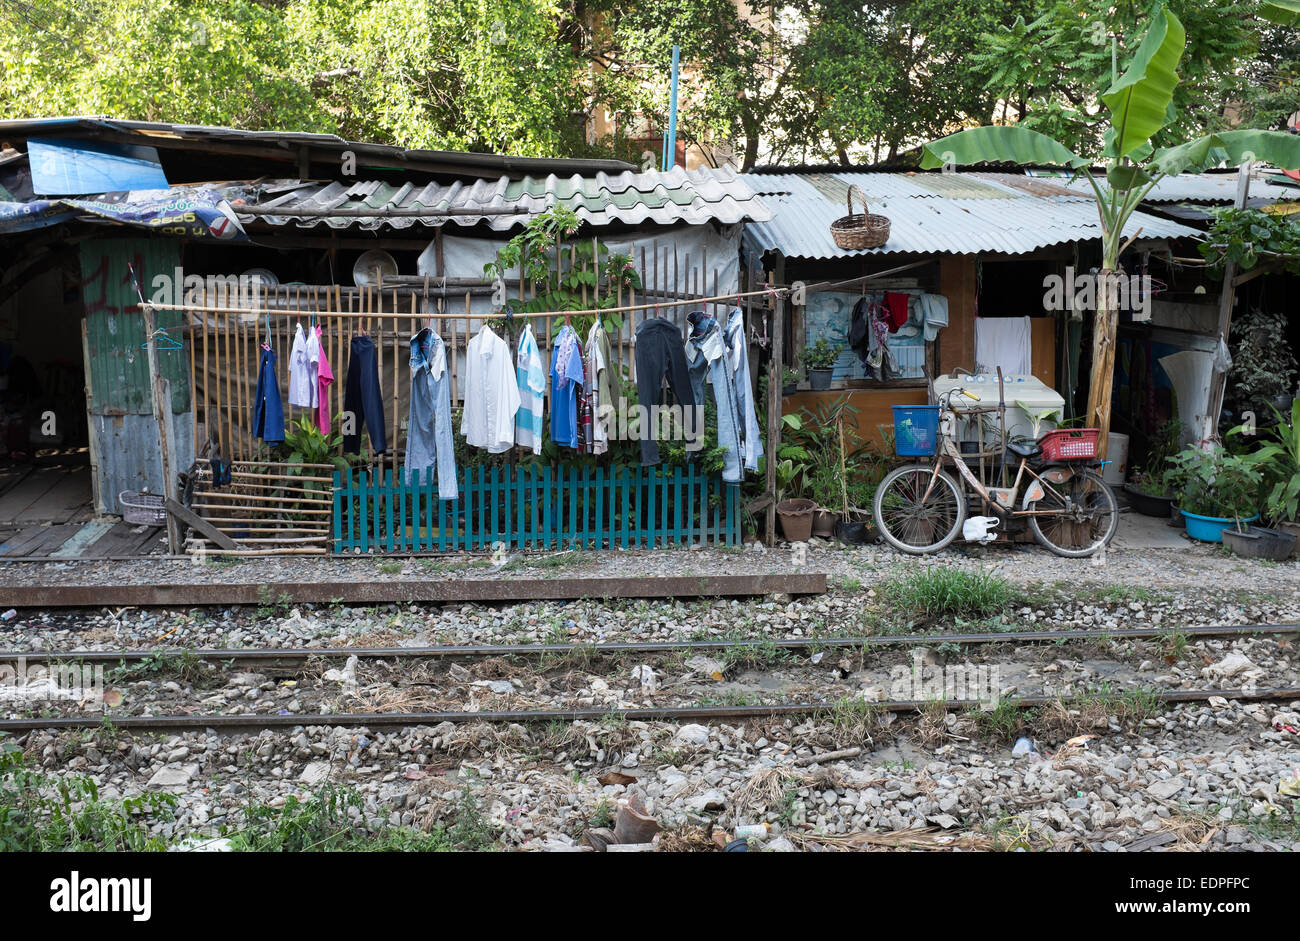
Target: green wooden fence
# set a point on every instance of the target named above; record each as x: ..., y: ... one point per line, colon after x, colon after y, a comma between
x: 535, y: 508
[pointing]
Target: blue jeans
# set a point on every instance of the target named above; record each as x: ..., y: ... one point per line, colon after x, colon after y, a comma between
x: 724, y: 393
x: 428, y: 434
x: 737, y: 347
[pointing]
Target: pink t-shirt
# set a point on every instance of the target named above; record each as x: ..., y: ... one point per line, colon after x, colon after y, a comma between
x: 324, y: 378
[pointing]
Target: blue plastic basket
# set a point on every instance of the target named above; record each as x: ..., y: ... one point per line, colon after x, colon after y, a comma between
x: 916, y: 430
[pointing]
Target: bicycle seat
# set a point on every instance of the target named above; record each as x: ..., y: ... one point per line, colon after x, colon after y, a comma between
x: 1024, y: 448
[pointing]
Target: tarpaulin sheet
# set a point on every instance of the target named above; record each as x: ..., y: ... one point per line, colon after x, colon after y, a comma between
x: 84, y: 168
x: 185, y: 212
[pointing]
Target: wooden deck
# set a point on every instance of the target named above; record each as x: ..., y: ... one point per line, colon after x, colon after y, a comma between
x: 46, y: 513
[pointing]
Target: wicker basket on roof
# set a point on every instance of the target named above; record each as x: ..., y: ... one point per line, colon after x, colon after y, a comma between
x: 859, y: 230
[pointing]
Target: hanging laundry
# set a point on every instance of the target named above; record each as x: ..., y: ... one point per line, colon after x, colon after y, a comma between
x: 491, y: 393
x: 566, y: 382
x: 751, y: 440
x: 428, y: 437
x: 1005, y: 342
x: 324, y: 379
x: 934, y: 314
x: 660, y: 354
x: 896, y: 310
x: 707, y: 355
x: 363, y: 399
x: 531, y: 375
x: 268, y: 411
x: 603, y: 385
x: 301, y: 392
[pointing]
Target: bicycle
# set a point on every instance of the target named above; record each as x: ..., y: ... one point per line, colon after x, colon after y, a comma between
x: 1070, y: 510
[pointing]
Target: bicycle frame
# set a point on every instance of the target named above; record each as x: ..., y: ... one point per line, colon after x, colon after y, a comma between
x: 1002, y: 500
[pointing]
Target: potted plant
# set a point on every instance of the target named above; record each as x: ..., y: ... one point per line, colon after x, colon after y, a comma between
x: 789, y: 381
x: 795, y: 513
x: 1214, y: 490
x: 819, y: 359
x: 1145, y: 488
x: 1280, y: 462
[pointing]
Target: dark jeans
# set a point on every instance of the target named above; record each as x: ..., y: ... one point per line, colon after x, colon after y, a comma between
x: 363, y: 399
x: 660, y: 352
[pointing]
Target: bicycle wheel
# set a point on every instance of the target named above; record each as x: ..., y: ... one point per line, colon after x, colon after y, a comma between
x: 912, y: 521
x: 1085, y: 516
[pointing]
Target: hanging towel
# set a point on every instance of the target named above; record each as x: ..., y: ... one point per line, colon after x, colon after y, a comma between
x: 531, y: 375
x: 1005, y: 342
x: 324, y: 379
x: 268, y: 411
x: 934, y: 314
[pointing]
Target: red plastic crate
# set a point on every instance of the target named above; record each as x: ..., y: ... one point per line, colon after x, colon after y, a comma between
x: 1070, y: 444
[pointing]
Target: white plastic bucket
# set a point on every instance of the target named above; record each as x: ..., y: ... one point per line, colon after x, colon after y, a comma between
x: 1117, y: 454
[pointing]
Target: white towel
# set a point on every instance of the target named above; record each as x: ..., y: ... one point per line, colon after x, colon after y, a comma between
x: 1005, y: 342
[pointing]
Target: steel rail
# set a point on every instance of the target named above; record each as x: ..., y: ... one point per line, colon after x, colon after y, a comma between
x: 511, y: 650
x: 648, y: 714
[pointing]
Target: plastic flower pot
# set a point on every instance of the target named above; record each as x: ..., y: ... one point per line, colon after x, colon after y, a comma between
x: 1259, y: 542
x: 819, y: 380
x: 824, y: 523
x: 796, y: 518
x: 1148, y: 504
x: 1209, y: 528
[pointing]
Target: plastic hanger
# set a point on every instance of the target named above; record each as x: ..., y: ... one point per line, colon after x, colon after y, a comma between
x: 163, y: 341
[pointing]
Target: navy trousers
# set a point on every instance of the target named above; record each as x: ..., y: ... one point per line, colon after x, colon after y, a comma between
x: 363, y: 400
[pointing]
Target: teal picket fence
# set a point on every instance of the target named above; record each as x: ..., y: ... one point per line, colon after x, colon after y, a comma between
x: 535, y: 508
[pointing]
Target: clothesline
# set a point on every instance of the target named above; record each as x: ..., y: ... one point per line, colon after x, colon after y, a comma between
x: 415, y: 315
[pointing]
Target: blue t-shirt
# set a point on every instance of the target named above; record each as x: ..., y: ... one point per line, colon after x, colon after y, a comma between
x: 566, y: 379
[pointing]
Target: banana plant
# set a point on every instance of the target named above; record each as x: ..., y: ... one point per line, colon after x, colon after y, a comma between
x: 1139, y: 104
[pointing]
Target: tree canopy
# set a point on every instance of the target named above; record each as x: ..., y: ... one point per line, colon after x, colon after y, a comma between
x: 787, y: 81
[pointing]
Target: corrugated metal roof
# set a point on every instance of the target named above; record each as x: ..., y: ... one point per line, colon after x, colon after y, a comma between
x: 1202, y: 188
x: 695, y: 197
x: 957, y: 213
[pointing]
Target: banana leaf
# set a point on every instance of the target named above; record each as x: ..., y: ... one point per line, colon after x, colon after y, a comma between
x: 1281, y: 12
x: 1012, y: 144
x: 1279, y: 148
x: 1139, y: 100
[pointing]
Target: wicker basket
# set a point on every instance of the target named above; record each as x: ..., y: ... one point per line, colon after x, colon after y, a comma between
x: 142, y: 508
x: 859, y: 230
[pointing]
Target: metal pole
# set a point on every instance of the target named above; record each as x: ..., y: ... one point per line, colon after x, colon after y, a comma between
x: 670, y: 151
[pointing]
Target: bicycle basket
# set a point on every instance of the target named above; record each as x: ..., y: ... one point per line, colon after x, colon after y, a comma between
x: 916, y: 430
x: 1070, y: 444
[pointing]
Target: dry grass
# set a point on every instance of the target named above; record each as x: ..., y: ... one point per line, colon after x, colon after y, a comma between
x: 686, y: 840
x: 893, y: 840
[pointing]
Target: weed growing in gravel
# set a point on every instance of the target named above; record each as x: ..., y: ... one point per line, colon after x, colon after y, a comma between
x: 390, y: 568
x: 1003, y: 723
x: 557, y: 561
x: 849, y: 583
x: 183, y: 667
x: 46, y: 813
x: 271, y: 605
x: 755, y: 655
x: 1173, y: 645
x: 950, y: 592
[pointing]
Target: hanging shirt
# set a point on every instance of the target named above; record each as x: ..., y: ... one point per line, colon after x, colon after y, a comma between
x: 491, y: 393
x: 324, y: 379
x: 300, y: 377
x: 566, y: 380
x: 1005, y: 342
x: 268, y: 413
x: 531, y: 375
x: 598, y: 386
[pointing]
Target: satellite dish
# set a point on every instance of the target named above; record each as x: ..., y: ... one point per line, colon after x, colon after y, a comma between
x: 371, y: 266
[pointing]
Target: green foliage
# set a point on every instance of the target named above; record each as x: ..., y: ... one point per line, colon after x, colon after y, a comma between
x: 1162, y: 446
x: 42, y: 813
x: 820, y: 355
x: 1263, y: 366
x: 950, y: 592
x: 1280, y: 462
x: 1214, y: 483
x: 1247, y: 237
x: 182, y: 666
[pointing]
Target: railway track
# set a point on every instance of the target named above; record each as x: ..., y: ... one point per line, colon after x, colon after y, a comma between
x: 282, y: 654
x: 533, y: 716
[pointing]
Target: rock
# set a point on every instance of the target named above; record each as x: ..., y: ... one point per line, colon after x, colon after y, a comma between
x: 1231, y: 665
x: 712, y: 799
x: 779, y: 845
x: 315, y: 773
x: 167, y: 778
x: 947, y: 821
x: 692, y: 734
x: 1166, y: 789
